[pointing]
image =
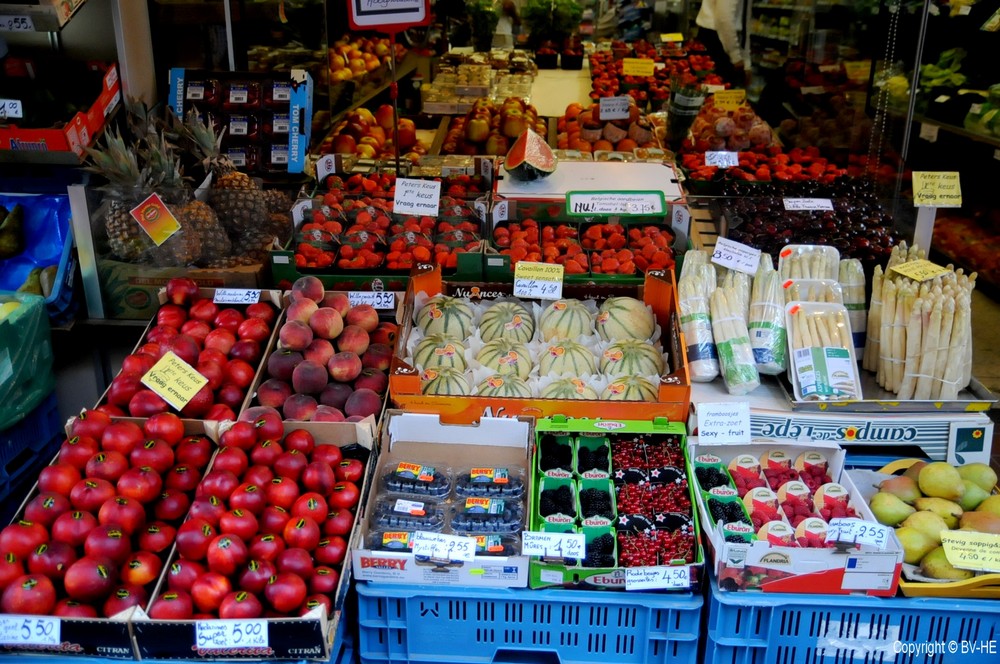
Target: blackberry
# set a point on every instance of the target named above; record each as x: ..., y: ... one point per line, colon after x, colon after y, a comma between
x: 717, y: 509
x: 507, y: 521
x: 466, y: 486
x: 556, y: 501
x: 406, y: 515
x: 594, y: 502
x: 555, y: 455
x: 601, y: 544
x: 736, y: 539
x: 709, y: 478
x: 598, y: 560
x: 733, y: 513
x: 588, y: 459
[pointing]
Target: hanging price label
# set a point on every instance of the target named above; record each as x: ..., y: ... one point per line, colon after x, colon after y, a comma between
x: 722, y: 159
x: 799, y: 204
x: 920, y: 270
x: 856, y: 531
x: 225, y: 634
x: 730, y: 100
x: 736, y: 256
x: 614, y: 203
x: 16, y: 24
x: 657, y: 578
x: 641, y: 67
x: 377, y: 299
x: 557, y: 545
x: 614, y: 108
x: 29, y: 631
x: 539, y: 280
x: 937, y: 189
x: 443, y: 547
x: 236, y: 296
x: 174, y: 380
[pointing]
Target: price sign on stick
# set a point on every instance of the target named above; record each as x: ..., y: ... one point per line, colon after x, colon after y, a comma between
x: 389, y: 16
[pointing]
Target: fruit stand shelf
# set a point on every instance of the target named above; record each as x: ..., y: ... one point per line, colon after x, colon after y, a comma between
x: 403, y: 69
x: 959, y: 131
x: 19, y: 17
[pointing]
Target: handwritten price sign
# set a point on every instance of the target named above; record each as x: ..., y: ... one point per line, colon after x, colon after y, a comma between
x: 557, y: 545
x: 444, y: 547
x: 657, y: 578
x: 236, y: 296
x: 16, y: 24
x: 856, y: 531
x: 736, y: 256
x: 223, y: 634
x: 174, y: 380
x: 11, y: 108
x: 539, y: 280
x: 722, y: 159
x: 29, y: 631
x: 377, y: 299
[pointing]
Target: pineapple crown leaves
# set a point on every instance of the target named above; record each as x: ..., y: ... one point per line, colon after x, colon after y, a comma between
x: 142, y: 120
x: 207, y: 144
x: 116, y: 162
x: 162, y: 168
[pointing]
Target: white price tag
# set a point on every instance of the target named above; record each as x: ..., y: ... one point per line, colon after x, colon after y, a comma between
x: 29, y: 631
x: 236, y: 296
x: 11, y: 108
x: 799, y: 204
x: 929, y: 132
x: 680, y: 224
x: 557, y: 545
x: 614, y: 108
x: 736, y: 256
x: 538, y: 280
x: 722, y: 159
x: 614, y: 203
x: 223, y: 634
x: 813, y: 90
x: 856, y: 531
x: 726, y: 422
x: 239, y: 95
x: 657, y: 578
x: 377, y: 299
x: 16, y: 24
x: 239, y: 127
x: 195, y: 92
x: 443, y: 547
x: 421, y: 197
x: 326, y: 165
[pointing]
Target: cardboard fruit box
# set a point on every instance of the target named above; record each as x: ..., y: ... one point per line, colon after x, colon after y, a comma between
x: 408, y: 437
x: 658, y: 291
x: 758, y: 564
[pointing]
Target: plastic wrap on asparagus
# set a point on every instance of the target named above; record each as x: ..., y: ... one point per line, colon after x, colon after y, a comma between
x: 852, y: 284
x: 694, y: 290
x: 767, y: 320
x: 823, y: 365
x: 732, y: 340
x: 813, y: 290
x: 809, y: 261
x: 740, y: 283
x: 692, y: 260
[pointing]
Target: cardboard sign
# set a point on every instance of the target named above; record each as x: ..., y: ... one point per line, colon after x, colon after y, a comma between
x: 920, y: 270
x: 444, y: 547
x: 236, y: 296
x: 722, y: 159
x: 730, y: 100
x: 937, y: 189
x: 641, y: 67
x: 799, y: 204
x: 614, y: 108
x: 557, y: 545
x: 736, y: 256
x: 421, y: 197
x: 377, y: 299
x: 657, y: 578
x: 174, y: 380
x: 971, y: 550
x: 614, y: 203
x: 727, y: 422
x: 29, y: 631
x: 538, y: 280
x: 155, y: 219
x: 390, y: 17
x: 229, y: 634
x: 856, y: 531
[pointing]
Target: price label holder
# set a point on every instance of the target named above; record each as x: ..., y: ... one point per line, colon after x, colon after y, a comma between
x: 667, y: 37
x: 937, y: 189
x: 736, y: 256
x: 807, y: 204
x: 382, y: 300
x: 388, y: 17
x: 231, y: 634
x: 680, y: 224
x: 856, y: 531
x: 553, y: 545
x: 11, y: 109
x: 614, y: 108
x: 236, y: 296
x: 420, y: 197
x: 726, y: 422
x: 641, y: 67
x: 444, y: 547
x: 920, y: 270
x: 30, y: 631
x: 21, y: 23
x: 730, y: 100
x: 615, y: 203
x: 155, y: 219
x: 929, y: 132
x: 327, y: 165
x: 174, y: 380
x: 662, y: 577
x: 722, y: 159
x: 538, y: 280
x: 971, y: 550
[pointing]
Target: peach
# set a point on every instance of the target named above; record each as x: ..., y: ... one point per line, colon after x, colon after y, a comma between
x: 363, y: 402
x: 335, y: 394
x: 295, y: 335
x: 320, y: 350
x: 338, y: 301
x: 385, y: 333
x: 344, y: 367
x: 309, y: 288
x: 309, y: 378
x: 301, y: 310
x: 372, y: 379
x: 378, y: 356
x: 299, y: 407
x: 353, y: 339
x: 273, y: 392
x: 326, y: 323
x: 281, y: 363
x: 364, y: 316
x: 327, y: 414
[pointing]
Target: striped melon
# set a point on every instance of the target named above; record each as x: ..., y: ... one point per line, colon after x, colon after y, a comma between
x: 568, y: 388
x: 444, y: 381
x: 446, y: 315
x: 503, y: 386
x: 565, y: 319
x: 631, y: 357
x: 437, y: 350
x: 624, y: 318
x: 507, y: 320
x: 506, y: 357
x: 629, y: 388
x: 566, y: 358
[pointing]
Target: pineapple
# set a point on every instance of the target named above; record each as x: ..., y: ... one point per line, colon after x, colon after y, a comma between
x: 162, y: 174
x: 279, y: 205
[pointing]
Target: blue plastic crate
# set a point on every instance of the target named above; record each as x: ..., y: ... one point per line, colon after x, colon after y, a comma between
x: 401, y: 623
x: 29, y: 441
x: 759, y: 628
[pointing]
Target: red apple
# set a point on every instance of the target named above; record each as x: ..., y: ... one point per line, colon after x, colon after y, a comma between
x: 285, y: 592
x: 255, y: 575
x: 172, y: 605
x: 73, y: 527
x: 226, y: 553
x: 90, y: 579
x: 127, y: 513
x: 183, y: 573
x: 77, y: 450
x: 156, y: 537
x: 168, y: 427
x: 31, y: 594
x: 240, y: 605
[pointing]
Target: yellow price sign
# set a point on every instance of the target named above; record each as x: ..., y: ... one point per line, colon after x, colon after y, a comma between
x: 539, y: 280
x: 638, y: 67
x: 858, y: 70
x: 920, y: 270
x: 966, y: 549
x: 155, y: 219
x: 937, y: 189
x: 671, y: 37
x: 730, y: 100
x: 174, y: 380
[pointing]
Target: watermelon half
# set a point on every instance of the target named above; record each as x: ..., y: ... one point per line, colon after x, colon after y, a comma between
x: 530, y: 157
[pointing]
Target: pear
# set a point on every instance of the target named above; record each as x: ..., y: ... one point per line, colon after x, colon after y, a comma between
x: 979, y: 474
x: 928, y: 523
x: 12, y: 233
x: 935, y: 565
x: 941, y: 480
x: 991, y: 504
x: 889, y: 509
x: 904, y: 488
x: 981, y: 522
x: 945, y: 509
x: 973, y: 497
x: 916, y: 545
x: 913, y: 472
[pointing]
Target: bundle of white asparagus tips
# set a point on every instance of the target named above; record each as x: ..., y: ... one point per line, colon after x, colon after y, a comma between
x: 732, y: 340
x: 694, y: 289
x: 920, y: 333
x: 767, y: 320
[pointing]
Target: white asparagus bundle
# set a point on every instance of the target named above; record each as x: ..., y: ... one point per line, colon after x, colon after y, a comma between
x: 961, y: 340
x: 822, y: 326
x: 740, y: 283
x: 693, y: 292
x: 914, y: 332
x: 874, y: 327
x: 692, y: 259
x: 812, y: 290
x: 888, y: 317
x: 808, y: 261
x: 733, y: 344
x: 764, y: 266
x: 852, y: 284
x: 768, y: 338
